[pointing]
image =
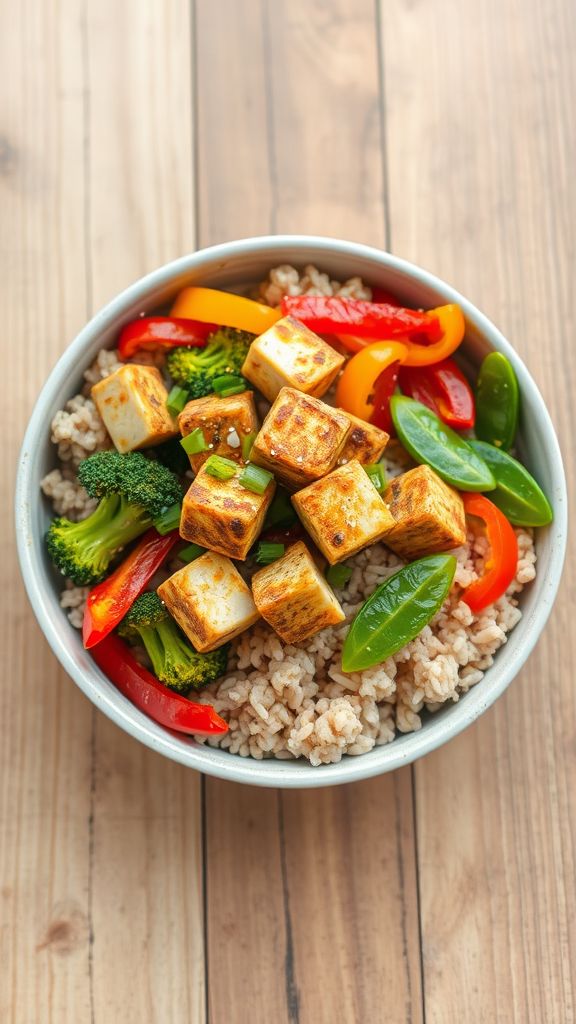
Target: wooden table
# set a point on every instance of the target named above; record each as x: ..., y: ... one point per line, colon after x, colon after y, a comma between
x: 131, y: 889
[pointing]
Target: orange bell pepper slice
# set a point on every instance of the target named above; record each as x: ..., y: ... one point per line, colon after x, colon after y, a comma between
x: 355, y: 390
x: 500, y: 566
x: 225, y: 309
x: 453, y: 327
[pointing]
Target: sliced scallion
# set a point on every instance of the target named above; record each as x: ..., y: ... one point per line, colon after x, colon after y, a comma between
x: 195, y: 442
x: 176, y: 400
x: 255, y: 479
x: 221, y: 468
x: 247, y: 442
x: 189, y: 553
x: 281, y: 511
x: 376, y: 473
x: 269, y: 552
x: 228, y: 384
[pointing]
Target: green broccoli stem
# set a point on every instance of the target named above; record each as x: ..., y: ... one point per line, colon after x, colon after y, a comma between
x: 112, y: 525
x: 165, y: 646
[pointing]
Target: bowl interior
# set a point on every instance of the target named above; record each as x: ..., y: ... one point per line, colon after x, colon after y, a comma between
x: 237, y: 266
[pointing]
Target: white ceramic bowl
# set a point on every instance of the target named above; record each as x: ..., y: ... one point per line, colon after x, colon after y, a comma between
x: 234, y: 265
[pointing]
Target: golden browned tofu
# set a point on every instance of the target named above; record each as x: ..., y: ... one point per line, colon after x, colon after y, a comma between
x: 343, y: 513
x: 209, y: 600
x: 225, y: 422
x: 132, y: 403
x: 365, y: 442
x: 300, y: 439
x: 222, y: 515
x: 289, y: 354
x: 428, y: 514
x: 293, y: 596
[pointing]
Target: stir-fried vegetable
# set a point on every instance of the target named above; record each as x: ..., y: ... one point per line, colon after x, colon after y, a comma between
x: 397, y: 611
x: 154, y: 332
x: 430, y: 441
x: 497, y: 401
x: 517, y: 494
x: 452, y: 326
x: 224, y: 308
x: 337, y: 315
x: 357, y: 384
x: 169, y: 709
x: 500, y: 566
x: 442, y: 388
x: 109, y: 602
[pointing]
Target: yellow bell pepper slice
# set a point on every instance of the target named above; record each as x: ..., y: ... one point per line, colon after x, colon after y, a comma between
x: 453, y: 327
x: 211, y: 306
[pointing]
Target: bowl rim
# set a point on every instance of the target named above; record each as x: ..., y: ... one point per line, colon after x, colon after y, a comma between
x: 273, y: 772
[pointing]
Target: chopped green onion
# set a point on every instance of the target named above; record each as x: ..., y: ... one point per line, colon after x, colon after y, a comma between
x: 168, y: 520
x: 195, y: 442
x: 228, y: 384
x: 268, y: 552
x: 338, y: 575
x: 255, y: 479
x: 188, y: 554
x: 281, y: 511
x: 222, y: 469
x: 176, y: 400
x: 376, y: 473
x: 247, y: 442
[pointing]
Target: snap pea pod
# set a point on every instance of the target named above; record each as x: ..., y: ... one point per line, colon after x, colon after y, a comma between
x: 429, y: 440
x: 397, y: 611
x: 497, y: 401
x: 517, y: 494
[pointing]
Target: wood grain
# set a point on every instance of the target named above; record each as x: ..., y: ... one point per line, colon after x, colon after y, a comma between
x: 311, y: 898
x: 490, y: 208
x: 100, y: 854
x: 447, y: 133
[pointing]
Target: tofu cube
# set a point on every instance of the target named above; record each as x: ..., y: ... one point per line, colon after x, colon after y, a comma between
x: 300, y: 439
x: 365, y: 442
x: 428, y: 513
x: 132, y: 403
x: 293, y: 596
x: 209, y: 600
x: 343, y: 513
x: 223, y: 515
x: 224, y: 423
x: 289, y: 354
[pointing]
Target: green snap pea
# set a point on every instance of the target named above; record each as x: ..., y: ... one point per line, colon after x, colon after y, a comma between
x: 429, y: 440
x: 517, y: 494
x: 397, y: 611
x: 497, y: 401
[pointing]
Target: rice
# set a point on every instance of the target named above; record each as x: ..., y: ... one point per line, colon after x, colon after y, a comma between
x: 289, y: 701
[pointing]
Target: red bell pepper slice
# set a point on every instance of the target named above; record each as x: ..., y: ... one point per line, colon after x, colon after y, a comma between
x: 169, y: 709
x: 444, y: 389
x: 153, y: 332
x: 383, y: 390
x: 501, y: 563
x: 381, y: 295
x: 333, y: 314
x: 109, y: 600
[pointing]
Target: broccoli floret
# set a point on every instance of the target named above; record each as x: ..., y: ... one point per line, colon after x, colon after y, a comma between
x: 132, y: 491
x: 174, y: 660
x: 196, y: 368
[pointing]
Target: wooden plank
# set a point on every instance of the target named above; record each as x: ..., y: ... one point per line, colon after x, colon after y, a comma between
x: 481, y: 138
x: 44, y: 720
x: 148, y: 952
x: 281, y: 909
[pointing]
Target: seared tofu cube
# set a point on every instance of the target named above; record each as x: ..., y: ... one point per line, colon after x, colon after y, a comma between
x: 293, y: 596
x: 224, y: 423
x: 132, y: 403
x: 223, y: 515
x: 343, y: 513
x: 365, y: 442
x: 300, y: 439
x: 209, y: 600
x: 428, y: 514
x: 289, y: 354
